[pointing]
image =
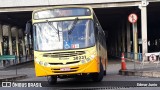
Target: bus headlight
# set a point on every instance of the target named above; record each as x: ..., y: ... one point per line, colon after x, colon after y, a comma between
x: 37, y: 61
x: 41, y: 63
x: 88, y: 59
x: 92, y: 56
x: 46, y: 64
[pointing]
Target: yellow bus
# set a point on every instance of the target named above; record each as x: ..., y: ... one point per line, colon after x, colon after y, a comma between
x: 68, y: 42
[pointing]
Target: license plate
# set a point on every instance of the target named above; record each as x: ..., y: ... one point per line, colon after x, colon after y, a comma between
x: 65, y: 69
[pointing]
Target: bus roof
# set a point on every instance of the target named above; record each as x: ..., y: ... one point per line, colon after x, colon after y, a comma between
x: 71, y: 6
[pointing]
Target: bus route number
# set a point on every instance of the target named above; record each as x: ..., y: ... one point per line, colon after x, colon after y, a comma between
x: 79, y: 57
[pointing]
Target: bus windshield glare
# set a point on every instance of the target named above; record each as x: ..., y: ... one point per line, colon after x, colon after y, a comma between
x: 61, y: 12
x: 59, y: 35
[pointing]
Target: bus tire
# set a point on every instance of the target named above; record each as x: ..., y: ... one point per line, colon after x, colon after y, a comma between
x: 52, y: 80
x: 97, y: 77
x: 105, y: 73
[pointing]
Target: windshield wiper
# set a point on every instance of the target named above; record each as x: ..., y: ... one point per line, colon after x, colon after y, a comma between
x: 57, y: 30
x: 73, y: 25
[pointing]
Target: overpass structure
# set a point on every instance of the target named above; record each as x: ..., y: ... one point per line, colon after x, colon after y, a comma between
x: 30, y: 5
x: 15, y: 13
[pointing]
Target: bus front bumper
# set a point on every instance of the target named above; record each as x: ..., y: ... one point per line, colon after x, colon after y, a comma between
x: 89, y: 67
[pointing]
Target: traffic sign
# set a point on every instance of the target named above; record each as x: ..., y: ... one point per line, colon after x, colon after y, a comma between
x: 152, y: 57
x: 132, y: 18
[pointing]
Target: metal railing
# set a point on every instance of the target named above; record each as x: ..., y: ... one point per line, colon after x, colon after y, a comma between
x: 134, y: 56
x: 136, y: 60
x: 7, y: 62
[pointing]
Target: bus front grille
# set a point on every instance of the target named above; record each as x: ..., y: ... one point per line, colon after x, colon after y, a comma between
x: 56, y: 63
x: 64, y: 54
x: 64, y: 64
x: 73, y: 62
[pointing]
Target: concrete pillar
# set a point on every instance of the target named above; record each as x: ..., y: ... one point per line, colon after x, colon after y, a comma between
x: 10, y: 39
x: 144, y: 28
x: 1, y: 40
x: 17, y: 43
x: 115, y: 40
x: 10, y: 42
x: 119, y: 42
x: 28, y: 47
x: 123, y: 37
x: 128, y: 39
x: 1, y: 44
x: 135, y: 41
x: 23, y: 45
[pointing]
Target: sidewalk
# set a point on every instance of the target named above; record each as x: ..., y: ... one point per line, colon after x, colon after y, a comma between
x: 149, y: 70
x: 10, y: 74
x: 11, y: 77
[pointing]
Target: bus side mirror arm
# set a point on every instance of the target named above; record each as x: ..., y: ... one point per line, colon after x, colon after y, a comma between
x: 28, y: 27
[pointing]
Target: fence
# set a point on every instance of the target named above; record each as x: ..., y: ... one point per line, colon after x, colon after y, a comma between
x: 136, y: 60
x: 134, y: 56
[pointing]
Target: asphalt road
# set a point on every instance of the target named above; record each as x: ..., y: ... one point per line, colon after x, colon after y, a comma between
x: 112, y: 78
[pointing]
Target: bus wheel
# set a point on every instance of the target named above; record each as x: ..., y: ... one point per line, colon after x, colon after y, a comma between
x: 105, y: 73
x: 105, y: 70
x: 52, y: 80
x: 97, y: 77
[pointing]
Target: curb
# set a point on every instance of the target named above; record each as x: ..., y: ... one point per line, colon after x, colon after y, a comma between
x: 140, y: 73
x: 11, y: 77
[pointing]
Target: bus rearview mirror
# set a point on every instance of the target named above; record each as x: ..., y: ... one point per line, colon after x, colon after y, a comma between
x: 28, y: 27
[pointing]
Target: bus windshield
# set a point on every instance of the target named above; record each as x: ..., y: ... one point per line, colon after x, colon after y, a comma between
x: 59, y: 35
